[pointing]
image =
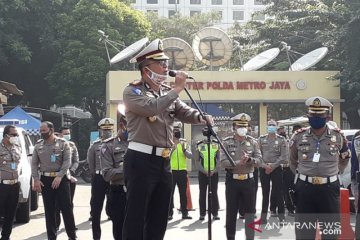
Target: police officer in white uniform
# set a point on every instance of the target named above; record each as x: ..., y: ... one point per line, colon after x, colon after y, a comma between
x: 151, y: 110
x: 317, y: 155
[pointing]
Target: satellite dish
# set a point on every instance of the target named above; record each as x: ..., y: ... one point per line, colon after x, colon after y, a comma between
x: 180, y: 53
x: 128, y: 51
x: 212, y: 46
x: 261, y: 60
x: 309, y: 59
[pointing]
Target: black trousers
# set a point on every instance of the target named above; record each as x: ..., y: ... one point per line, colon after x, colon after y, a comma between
x: 99, y: 188
x: 9, y: 198
x: 288, y: 184
x: 317, y: 203
x: 61, y: 195
x: 203, y: 186
x: 149, y: 184
x: 72, y: 193
x: 357, y: 225
x: 276, y: 178
x: 116, y: 206
x: 256, y: 179
x: 236, y: 191
x: 180, y: 180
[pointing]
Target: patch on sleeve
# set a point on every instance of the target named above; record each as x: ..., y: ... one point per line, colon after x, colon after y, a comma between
x: 136, y: 91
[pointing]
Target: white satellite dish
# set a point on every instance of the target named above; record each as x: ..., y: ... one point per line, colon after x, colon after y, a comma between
x: 180, y: 53
x: 212, y: 46
x: 129, y: 51
x: 309, y: 59
x: 261, y: 60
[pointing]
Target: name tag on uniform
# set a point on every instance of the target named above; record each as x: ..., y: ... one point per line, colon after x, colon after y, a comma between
x: 13, y: 166
x: 316, y: 157
x: 53, y: 157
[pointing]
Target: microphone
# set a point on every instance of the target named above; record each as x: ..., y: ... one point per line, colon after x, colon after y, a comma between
x: 172, y: 73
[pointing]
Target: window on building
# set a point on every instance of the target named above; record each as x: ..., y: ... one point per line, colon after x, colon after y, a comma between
x: 238, y: 2
x: 174, y: 1
x: 216, y: 2
x: 258, y: 17
x: 258, y: 2
x: 193, y: 12
x: 171, y: 13
x: 152, y: 11
x: 152, y: 1
x: 238, y: 15
x: 195, y: 1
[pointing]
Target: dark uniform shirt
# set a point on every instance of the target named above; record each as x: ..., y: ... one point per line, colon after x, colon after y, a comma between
x: 112, y: 159
x: 9, y: 161
x: 94, y: 156
x: 236, y: 150
x: 150, y: 115
x: 274, y: 151
x: 304, y: 145
x: 52, y: 157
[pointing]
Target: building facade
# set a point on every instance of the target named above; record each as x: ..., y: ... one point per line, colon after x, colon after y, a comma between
x: 231, y: 11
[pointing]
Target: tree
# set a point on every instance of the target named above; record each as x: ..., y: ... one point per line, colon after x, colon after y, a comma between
x: 79, y: 74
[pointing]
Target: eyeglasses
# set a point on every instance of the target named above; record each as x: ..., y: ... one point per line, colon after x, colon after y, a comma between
x: 162, y: 63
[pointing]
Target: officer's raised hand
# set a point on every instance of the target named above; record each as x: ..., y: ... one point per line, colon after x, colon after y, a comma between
x: 180, y: 81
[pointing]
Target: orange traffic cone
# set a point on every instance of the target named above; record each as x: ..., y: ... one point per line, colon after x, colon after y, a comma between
x: 189, y: 205
x: 346, y: 230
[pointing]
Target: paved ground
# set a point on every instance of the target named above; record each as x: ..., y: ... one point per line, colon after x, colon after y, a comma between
x: 177, y: 228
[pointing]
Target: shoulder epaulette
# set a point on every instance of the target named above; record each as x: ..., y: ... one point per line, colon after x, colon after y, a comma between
x: 60, y: 139
x: 300, y: 131
x: 215, y: 141
x: 109, y: 139
x: 337, y: 129
x: 262, y: 136
x: 40, y: 140
x: 199, y: 142
x: 250, y: 137
x: 97, y: 141
x: 182, y: 140
x: 136, y: 83
x: 229, y: 138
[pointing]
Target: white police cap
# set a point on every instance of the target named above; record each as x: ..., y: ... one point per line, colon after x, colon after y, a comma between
x: 106, y: 123
x: 154, y: 50
x: 318, y: 105
x: 242, y: 119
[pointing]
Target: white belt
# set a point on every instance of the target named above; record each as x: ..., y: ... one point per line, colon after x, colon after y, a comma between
x: 318, y: 180
x: 49, y: 174
x: 144, y: 148
x: 9, y: 182
x: 98, y: 172
x: 243, y: 176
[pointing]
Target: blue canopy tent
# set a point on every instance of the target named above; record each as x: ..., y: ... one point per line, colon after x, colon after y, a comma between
x: 27, y: 122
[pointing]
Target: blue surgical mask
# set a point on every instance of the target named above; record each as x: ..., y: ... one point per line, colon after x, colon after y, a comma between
x: 67, y: 137
x: 271, y: 129
x: 317, y: 122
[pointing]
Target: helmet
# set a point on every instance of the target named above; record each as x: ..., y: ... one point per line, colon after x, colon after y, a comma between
x: 106, y: 123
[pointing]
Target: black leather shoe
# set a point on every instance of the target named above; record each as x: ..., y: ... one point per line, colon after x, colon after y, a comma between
x: 170, y: 218
x: 90, y: 219
x: 201, y: 218
x: 216, y: 217
x: 241, y: 217
x: 187, y: 216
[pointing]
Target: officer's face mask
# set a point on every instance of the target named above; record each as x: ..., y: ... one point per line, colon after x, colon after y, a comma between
x: 271, y: 129
x: 156, y: 78
x: 67, y: 137
x: 241, y: 131
x: 46, y: 135
x: 106, y: 134
x: 317, y: 122
x: 177, y: 134
x: 13, y: 139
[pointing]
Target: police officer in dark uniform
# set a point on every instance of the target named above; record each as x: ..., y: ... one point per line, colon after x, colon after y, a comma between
x: 10, y: 155
x: 240, y: 183
x: 178, y: 157
x: 112, y: 157
x: 203, y: 176
x: 99, y: 187
x: 151, y: 110
x: 64, y: 132
x: 318, y: 154
x: 274, y: 151
x: 52, y: 156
